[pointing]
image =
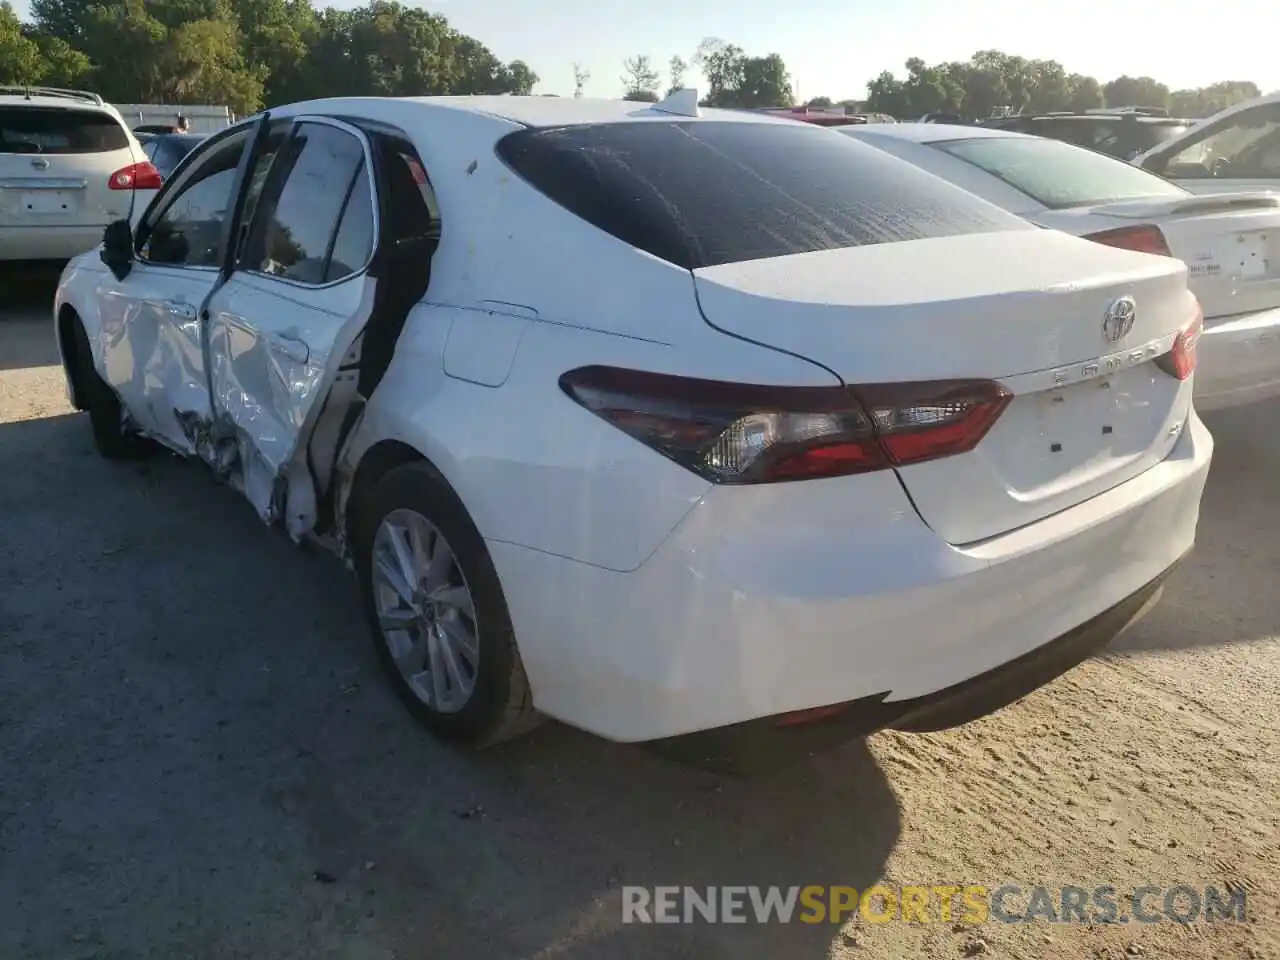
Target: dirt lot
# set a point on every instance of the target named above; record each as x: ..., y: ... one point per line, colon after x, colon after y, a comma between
x: 198, y: 757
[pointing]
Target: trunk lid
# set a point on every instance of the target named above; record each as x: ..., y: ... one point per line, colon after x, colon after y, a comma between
x: 1230, y: 243
x: 1025, y: 308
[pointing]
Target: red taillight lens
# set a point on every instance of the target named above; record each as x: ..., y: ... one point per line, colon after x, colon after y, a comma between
x: 1144, y: 238
x: 1180, y: 362
x: 415, y: 169
x: 735, y: 433
x: 136, y: 176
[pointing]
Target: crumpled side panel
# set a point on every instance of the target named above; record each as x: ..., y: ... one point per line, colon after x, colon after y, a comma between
x: 262, y: 392
x: 152, y: 357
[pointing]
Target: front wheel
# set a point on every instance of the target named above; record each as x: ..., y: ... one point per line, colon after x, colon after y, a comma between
x: 437, y: 613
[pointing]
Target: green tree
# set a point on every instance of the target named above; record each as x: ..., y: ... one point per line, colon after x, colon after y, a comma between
x: 722, y: 64
x: 929, y: 89
x: 676, y: 69
x: 1129, y: 91
x: 1086, y: 93
x: 639, y: 80
x: 63, y: 19
x: 765, y: 83
x: 277, y: 38
x: 737, y: 80
x: 519, y: 79
x: 887, y: 94
x: 62, y: 64
x: 20, y: 60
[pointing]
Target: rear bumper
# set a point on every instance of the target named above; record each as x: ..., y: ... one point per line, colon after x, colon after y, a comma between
x: 48, y: 242
x: 1239, y: 361
x: 769, y: 600
x: 763, y: 743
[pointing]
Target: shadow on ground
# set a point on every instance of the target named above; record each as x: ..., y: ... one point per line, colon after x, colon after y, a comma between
x: 26, y: 324
x: 200, y: 759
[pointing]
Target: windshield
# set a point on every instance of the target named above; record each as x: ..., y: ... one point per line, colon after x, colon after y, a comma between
x: 1056, y: 174
x: 1246, y: 145
x: 702, y: 193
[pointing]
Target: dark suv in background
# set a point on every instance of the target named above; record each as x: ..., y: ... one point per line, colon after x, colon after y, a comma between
x: 1121, y: 133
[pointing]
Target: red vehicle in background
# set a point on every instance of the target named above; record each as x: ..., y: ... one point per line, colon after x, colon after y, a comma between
x: 823, y: 118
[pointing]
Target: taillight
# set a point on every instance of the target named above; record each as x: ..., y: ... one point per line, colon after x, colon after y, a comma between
x: 136, y: 176
x: 1144, y: 238
x: 415, y: 170
x: 1180, y: 362
x: 735, y: 433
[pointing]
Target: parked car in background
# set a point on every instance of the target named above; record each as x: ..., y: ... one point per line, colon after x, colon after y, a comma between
x: 626, y: 452
x: 1237, y: 149
x: 160, y: 117
x: 166, y: 150
x: 1123, y: 133
x: 1230, y: 243
x: 68, y: 167
x: 818, y: 116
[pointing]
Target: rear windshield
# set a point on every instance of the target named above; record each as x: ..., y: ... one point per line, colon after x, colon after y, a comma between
x: 1147, y: 135
x: 57, y: 130
x: 1057, y: 174
x: 702, y: 193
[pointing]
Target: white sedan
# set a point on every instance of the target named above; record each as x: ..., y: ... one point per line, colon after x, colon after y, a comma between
x: 677, y: 426
x: 1229, y: 241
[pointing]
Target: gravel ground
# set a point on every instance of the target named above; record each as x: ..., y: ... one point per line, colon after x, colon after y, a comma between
x: 198, y: 758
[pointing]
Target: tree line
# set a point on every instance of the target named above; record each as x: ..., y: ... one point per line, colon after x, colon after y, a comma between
x: 247, y: 54
x: 989, y: 80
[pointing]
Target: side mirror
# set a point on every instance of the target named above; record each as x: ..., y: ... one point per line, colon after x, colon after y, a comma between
x: 117, y: 248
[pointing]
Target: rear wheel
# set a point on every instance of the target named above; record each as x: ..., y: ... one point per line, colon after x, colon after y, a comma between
x: 437, y: 613
x: 112, y: 438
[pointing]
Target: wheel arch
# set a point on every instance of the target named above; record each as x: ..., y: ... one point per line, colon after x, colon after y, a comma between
x: 375, y: 463
x: 69, y: 351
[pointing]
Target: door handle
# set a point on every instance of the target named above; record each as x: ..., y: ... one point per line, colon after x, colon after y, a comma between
x: 180, y: 310
x: 289, y: 347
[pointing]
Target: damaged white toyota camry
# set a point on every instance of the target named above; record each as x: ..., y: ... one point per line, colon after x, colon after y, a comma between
x: 679, y: 426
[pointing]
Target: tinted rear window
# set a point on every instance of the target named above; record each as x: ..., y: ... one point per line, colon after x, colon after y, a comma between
x: 698, y: 194
x: 1057, y: 174
x: 54, y: 130
x: 1153, y: 134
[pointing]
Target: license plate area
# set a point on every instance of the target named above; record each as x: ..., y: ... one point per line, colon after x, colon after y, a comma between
x: 1059, y: 439
x: 47, y: 202
x: 1247, y: 256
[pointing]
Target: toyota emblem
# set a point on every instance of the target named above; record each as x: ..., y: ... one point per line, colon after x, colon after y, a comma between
x: 1118, y: 320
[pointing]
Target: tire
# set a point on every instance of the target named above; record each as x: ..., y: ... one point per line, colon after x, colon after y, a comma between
x: 498, y: 707
x: 110, y: 436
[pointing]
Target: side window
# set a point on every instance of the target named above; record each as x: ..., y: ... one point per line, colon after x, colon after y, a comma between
x: 295, y: 224
x: 1246, y: 145
x: 1106, y: 138
x: 353, y: 245
x: 188, y: 229
x: 262, y: 167
x: 149, y: 148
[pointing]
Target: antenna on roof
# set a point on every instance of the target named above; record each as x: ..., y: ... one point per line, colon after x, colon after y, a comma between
x: 681, y: 103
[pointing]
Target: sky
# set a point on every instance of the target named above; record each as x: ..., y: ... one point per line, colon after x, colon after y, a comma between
x: 833, y: 47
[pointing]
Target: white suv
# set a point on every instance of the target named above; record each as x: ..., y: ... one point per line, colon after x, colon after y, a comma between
x: 68, y: 167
